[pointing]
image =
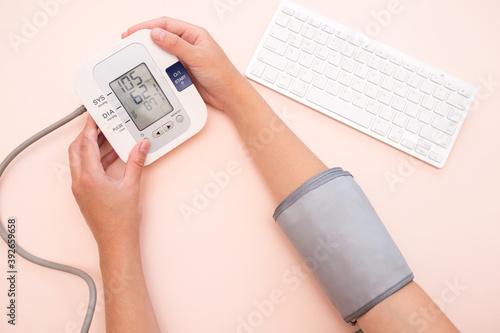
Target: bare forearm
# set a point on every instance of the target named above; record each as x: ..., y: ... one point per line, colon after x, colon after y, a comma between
x: 409, y: 310
x: 127, y: 302
x: 283, y: 160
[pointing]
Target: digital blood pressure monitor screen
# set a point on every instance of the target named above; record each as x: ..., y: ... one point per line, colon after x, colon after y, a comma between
x: 141, y: 96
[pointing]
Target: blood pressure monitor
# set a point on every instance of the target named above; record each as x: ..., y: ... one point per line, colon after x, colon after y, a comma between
x: 135, y: 90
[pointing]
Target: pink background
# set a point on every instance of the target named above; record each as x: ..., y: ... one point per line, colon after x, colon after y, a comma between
x: 206, y: 274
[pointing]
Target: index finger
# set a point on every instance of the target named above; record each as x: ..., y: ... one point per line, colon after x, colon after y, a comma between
x: 185, y: 30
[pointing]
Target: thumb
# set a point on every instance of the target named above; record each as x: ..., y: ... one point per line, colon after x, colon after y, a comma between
x: 172, y: 44
x: 135, y: 162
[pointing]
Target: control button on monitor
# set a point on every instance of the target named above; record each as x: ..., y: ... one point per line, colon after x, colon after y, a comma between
x: 179, y: 118
x: 158, y: 132
x: 168, y: 126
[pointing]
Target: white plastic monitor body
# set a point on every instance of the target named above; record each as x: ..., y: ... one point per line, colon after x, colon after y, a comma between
x: 135, y: 90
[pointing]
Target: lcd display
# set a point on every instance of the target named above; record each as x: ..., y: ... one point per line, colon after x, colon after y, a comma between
x: 141, y: 96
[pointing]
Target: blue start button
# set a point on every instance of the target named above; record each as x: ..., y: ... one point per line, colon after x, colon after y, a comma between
x: 179, y: 76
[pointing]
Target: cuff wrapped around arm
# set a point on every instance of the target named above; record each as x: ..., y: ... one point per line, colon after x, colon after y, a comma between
x: 332, y: 224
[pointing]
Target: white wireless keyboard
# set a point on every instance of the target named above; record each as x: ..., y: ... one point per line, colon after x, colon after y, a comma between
x: 361, y: 82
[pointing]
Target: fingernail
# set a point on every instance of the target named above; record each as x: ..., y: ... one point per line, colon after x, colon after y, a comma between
x: 158, y: 35
x: 144, y: 146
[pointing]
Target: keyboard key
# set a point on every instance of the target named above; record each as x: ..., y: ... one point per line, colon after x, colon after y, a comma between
x: 401, y: 90
x: 441, y: 93
x: 451, y: 85
x: 299, y: 88
x: 435, y: 157
x: 315, y: 23
x: 399, y: 104
x: 428, y: 102
x: 374, y: 62
x: 328, y: 28
x: 375, y: 77
x: 421, y: 150
x: 372, y: 91
x: 465, y: 92
x: 301, y: 16
x: 330, y: 103
x: 309, y: 46
x: 293, y: 54
x: 427, y: 87
x: 280, y: 33
x: 435, y: 136
x: 272, y: 59
x: 334, y: 44
x: 444, y: 125
x: 295, y: 26
x: 425, y: 116
x: 306, y: 60
x: 388, y: 84
x: 320, y: 82
x: 322, y: 53
x: 308, y: 32
x: 455, y: 115
x: 321, y: 38
x: 401, y: 74
x: 442, y: 109
x: 396, y: 60
x: 333, y: 88
x: 306, y: 76
x: 359, y: 85
x: 368, y: 47
x: 414, y: 81
x: 425, y: 144
x: 348, y: 50
x: 258, y: 69
x: 346, y: 94
x: 348, y: 65
x: 413, y: 126
x: 275, y: 45
x: 319, y: 66
x: 296, y: 41
x: 387, y: 68
x: 385, y: 97
x: 412, y: 110
x: 271, y: 74
x: 341, y: 34
x: 423, y: 73
x: 381, y: 126
x: 457, y: 101
x: 282, y: 20
x: 373, y: 107
x: 287, y: 10
x: 400, y: 120
x: 408, y: 143
x: 359, y: 101
x: 382, y: 54
x: 335, y: 59
x: 415, y: 96
x: 332, y: 73
x: 294, y: 70
x: 386, y: 114
x: 409, y: 66
x: 284, y: 81
x: 395, y: 134
x: 361, y: 71
x: 361, y: 56
x: 437, y: 78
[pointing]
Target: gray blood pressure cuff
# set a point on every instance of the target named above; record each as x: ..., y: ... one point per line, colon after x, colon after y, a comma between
x: 332, y: 224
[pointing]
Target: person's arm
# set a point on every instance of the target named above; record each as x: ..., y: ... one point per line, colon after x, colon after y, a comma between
x: 112, y: 210
x: 285, y: 162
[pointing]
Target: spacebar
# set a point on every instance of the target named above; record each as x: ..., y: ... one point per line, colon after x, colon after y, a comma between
x: 345, y: 110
